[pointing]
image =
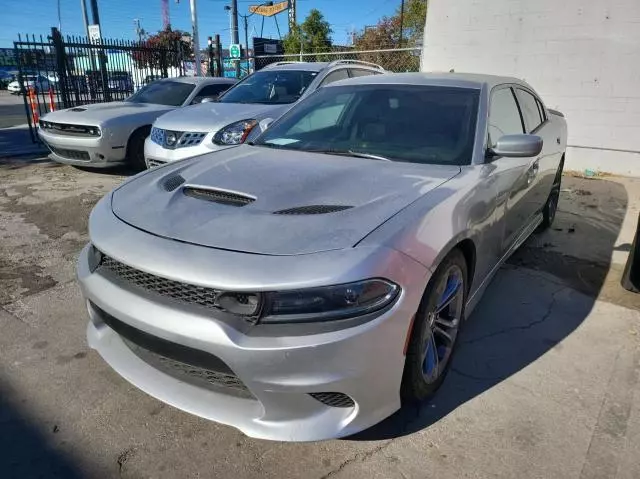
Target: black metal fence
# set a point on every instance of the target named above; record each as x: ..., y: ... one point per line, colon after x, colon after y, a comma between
x: 62, y: 72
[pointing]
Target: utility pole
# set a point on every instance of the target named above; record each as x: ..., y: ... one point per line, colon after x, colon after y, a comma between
x: 401, y: 20
x: 85, y: 18
x: 196, y: 40
x: 94, y: 12
x: 234, y: 30
x: 246, y: 35
x: 59, y: 18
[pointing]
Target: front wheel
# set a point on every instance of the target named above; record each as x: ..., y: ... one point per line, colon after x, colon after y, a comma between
x: 135, y: 148
x: 435, y: 329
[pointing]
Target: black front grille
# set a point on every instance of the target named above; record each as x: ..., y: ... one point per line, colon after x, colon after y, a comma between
x: 187, y: 293
x: 70, y: 154
x: 190, y: 365
x: 154, y: 163
x: 312, y: 210
x: 68, y: 129
x: 219, y: 196
x: 333, y: 399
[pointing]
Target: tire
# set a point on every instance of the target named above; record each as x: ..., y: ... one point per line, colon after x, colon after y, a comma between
x: 424, y: 372
x: 551, y: 206
x: 135, y: 148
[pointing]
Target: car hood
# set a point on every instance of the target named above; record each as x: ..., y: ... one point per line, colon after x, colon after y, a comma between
x: 101, y: 112
x: 212, y: 116
x: 286, y: 198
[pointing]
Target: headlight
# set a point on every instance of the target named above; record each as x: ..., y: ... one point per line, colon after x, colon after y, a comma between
x: 171, y: 138
x: 235, y: 133
x: 329, y: 303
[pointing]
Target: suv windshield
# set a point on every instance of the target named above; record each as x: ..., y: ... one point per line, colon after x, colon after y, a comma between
x: 413, y: 123
x: 171, y: 93
x: 270, y: 87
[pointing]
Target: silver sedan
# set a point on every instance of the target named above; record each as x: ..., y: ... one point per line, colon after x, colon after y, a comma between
x: 304, y: 286
x: 109, y: 134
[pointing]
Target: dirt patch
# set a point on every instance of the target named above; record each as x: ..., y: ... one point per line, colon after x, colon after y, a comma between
x: 22, y: 280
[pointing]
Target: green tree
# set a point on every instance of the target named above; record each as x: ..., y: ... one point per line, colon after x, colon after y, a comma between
x: 415, y: 16
x: 177, y: 46
x: 314, y: 35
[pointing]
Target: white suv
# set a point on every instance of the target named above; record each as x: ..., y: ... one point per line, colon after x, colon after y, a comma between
x: 244, y: 109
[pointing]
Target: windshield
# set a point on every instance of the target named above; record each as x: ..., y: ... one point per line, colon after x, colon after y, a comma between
x: 270, y: 87
x: 169, y: 93
x: 413, y: 123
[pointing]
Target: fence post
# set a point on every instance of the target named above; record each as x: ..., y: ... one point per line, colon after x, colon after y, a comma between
x: 210, y: 55
x: 61, y: 66
x: 219, y: 56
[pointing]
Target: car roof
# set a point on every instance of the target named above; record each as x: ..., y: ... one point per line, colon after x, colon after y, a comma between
x: 304, y: 66
x: 459, y: 80
x: 200, y: 80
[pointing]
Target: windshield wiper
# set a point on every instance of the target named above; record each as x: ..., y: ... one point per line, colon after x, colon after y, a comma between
x: 355, y: 154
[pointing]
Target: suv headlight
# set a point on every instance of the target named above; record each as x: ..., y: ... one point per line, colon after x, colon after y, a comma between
x: 235, y: 133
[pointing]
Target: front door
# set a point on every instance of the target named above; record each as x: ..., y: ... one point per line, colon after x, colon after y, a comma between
x: 514, y: 176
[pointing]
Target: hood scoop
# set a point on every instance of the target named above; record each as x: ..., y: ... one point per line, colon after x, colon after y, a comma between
x: 78, y: 109
x: 223, y: 197
x: 313, y: 210
x: 172, y: 182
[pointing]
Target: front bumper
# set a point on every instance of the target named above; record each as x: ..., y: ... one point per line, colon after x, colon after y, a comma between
x: 83, y: 151
x: 280, y: 371
x: 156, y: 155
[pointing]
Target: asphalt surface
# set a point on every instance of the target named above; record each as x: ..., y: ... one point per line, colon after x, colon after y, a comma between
x: 545, y: 382
x: 12, y: 110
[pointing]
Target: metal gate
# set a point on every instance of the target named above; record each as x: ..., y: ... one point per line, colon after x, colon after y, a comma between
x: 57, y: 72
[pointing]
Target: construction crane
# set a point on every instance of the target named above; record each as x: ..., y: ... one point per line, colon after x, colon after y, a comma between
x: 166, y: 19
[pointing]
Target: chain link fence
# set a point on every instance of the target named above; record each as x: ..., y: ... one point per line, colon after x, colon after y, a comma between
x: 392, y: 59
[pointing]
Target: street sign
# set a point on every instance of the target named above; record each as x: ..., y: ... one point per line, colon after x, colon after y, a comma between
x: 269, y: 10
x: 94, y: 33
x: 235, y: 51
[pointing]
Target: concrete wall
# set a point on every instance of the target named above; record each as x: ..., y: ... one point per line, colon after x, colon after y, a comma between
x: 582, y: 56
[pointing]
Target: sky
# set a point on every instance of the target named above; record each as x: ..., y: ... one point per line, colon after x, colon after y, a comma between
x: 117, y: 17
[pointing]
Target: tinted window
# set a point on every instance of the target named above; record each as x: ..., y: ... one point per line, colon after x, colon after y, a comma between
x: 419, y: 124
x: 212, y: 90
x: 530, y: 111
x: 504, y: 117
x: 335, y: 76
x: 359, y: 72
x: 270, y: 87
x: 163, y: 93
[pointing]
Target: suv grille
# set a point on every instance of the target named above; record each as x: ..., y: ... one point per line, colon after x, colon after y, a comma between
x: 186, y: 364
x: 154, y: 163
x: 186, y: 293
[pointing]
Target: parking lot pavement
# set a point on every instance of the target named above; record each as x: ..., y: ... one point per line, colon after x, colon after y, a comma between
x: 12, y: 111
x: 545, y: 382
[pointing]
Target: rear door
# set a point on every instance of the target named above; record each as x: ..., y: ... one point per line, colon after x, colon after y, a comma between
x: 513, y: 175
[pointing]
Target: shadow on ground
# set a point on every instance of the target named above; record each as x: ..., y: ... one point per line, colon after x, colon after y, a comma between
x: 25, y: 452
x: 531, y: 305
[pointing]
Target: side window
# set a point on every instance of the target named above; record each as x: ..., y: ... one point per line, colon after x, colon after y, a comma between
x: 530, y: 111
x: 359, y: 72
x: 504, y: 117
x: 210, y: 91
x: 341, y: 74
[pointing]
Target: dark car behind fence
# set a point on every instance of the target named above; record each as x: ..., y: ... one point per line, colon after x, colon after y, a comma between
x: 81, y: 71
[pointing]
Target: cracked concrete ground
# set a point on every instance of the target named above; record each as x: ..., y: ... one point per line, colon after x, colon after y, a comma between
x: 545, y: 382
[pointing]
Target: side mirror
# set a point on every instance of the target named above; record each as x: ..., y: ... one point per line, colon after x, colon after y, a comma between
x: 264, y: 124
x: 517, y: 146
